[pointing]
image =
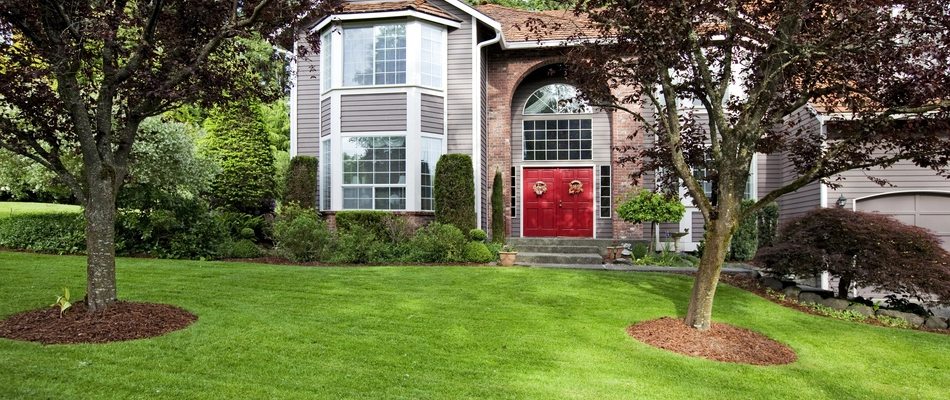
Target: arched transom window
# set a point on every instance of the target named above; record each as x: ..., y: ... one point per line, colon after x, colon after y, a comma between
x: 556, y: 98
x: 552, y: 129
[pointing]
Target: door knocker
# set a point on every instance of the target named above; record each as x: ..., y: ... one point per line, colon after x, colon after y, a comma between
x: 576, y: 187
x: 540, y: 188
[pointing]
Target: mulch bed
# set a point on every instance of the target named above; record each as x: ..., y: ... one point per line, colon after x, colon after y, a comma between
x: 119, y: 322
x: 722, y: 342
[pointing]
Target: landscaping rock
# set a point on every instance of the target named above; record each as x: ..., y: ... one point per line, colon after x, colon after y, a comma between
x: 913, y: 319
x: 809, y: 297
x: 863, y: 310
x: 792, y: 292
x: 935, y: 323
x: 773, y: 283
x: 835, y: 304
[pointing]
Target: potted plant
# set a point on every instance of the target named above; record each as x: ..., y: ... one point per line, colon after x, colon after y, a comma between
x: 507, y: 255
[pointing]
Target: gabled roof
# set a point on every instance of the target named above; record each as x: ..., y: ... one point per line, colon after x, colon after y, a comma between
x: 515, y: 24
x: 414, y: 5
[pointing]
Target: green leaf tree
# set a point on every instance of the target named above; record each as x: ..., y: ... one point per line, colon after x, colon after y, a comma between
x: 646, y: 206
x: 79, y: 77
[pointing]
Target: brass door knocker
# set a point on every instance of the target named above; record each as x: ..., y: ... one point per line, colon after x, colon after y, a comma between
x: 576, y: 187
x: 540, y: 188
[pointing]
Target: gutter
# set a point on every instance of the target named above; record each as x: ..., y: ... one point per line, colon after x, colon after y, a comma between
x: 477, y: 113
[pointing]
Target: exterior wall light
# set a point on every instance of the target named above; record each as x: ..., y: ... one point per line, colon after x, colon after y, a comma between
x: 841, y: 201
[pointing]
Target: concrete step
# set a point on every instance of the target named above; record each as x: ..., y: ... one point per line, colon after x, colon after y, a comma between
x: 528, y: 258
x: 537, y: 248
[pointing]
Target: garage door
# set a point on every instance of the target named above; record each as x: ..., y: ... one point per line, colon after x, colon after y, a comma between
x: 926, y: 210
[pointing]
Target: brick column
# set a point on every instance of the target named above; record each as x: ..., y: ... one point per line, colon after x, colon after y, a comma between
x: 623, y: 126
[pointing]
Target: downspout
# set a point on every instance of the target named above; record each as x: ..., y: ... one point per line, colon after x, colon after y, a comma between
x: 824, y: 280
x: 476, y: 117
x: 293, y: 97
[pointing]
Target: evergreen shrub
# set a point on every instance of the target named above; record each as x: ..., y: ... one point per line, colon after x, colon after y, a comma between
x: 359, y: 245
x: 454, y: 191
x: 498, y: 231
x: 245, y: 248
x: 477, y: 235
x: 745, y: 241
x: 62, y: 233
x: 301, y: 181
x: 767, y: 224
x: 477, y: 252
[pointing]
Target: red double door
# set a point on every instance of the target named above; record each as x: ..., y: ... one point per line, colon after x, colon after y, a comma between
x: 565, y: 205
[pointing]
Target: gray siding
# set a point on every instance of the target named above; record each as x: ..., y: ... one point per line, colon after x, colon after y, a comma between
x: 905, y: 176
x: 459, y: 83
x: 433, y: 114
x: 373, y: 112
x: 808, y: 197
x: 308, y: 105
x: 326, y: 116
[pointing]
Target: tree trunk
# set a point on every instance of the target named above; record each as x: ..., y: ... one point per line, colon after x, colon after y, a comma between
x: 699, y: 314
x: 100, y: 244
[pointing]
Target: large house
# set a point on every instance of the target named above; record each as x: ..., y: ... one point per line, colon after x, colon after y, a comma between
x: 398, y: 84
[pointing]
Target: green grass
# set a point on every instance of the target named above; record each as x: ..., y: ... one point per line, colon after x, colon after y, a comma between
x: 8, y: 208
x: 439, y: 333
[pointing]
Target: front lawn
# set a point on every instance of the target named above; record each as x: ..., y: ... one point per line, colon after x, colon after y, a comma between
x: 284, y: 332
x: 8, y: 208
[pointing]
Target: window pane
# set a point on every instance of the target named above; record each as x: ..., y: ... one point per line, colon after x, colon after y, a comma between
x: 376, y: 163
x: 542, y: 136
x: 431, y: 151
x: 358, y: 56
x: 556, y: 98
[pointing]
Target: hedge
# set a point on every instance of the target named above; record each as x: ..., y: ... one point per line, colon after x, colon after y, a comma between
x: 301, y: 183
x: 63, y: 233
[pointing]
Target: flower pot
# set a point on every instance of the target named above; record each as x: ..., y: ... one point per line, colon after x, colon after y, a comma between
x: 507, y: 258
x: 611, y: 253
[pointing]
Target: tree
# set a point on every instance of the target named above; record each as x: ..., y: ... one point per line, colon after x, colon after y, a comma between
x: 81, y: 76
x: 653, y: 207
x: 751, y: 66
x: 534, y: 5
x: 238, y: 140
x: 870, y: 249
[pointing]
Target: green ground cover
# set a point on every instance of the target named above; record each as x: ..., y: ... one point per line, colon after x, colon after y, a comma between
x: 439, y: 333
x: 8, y: 208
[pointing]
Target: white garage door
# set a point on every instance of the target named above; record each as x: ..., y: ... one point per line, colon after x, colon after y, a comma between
x: 926, y: 210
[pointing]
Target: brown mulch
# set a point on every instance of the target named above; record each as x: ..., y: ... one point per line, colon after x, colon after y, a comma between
x: 119, y: 322
x: 722, y: 342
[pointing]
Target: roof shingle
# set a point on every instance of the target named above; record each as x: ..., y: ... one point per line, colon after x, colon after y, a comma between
x: 563, y: 24
x: 417, y: 5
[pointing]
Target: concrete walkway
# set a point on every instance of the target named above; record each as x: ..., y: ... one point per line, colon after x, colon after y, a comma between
x: 639, y: 268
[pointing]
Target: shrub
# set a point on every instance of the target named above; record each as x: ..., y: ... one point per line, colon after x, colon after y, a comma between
x: 745, y: 241
x: 245, y: 248
x: 498, y: 231
x: 438, y: 243
x: 359, y: 245
x: 399, y: 230
x: 166, y: 225
x: 245, y: 226
x: 767, y: 224
x: 639, y: 251
x: 477, y: 252
x: 455, y: 191
x: 869, y: 249
x: 301, y: 181
x: 63, y: 233
x: 300, y: 234
x: 477, y: 235
x: 238, y: 140
x: 373, y: 221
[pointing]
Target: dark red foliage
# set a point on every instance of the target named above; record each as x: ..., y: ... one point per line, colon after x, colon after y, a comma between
x: 871, y: 249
